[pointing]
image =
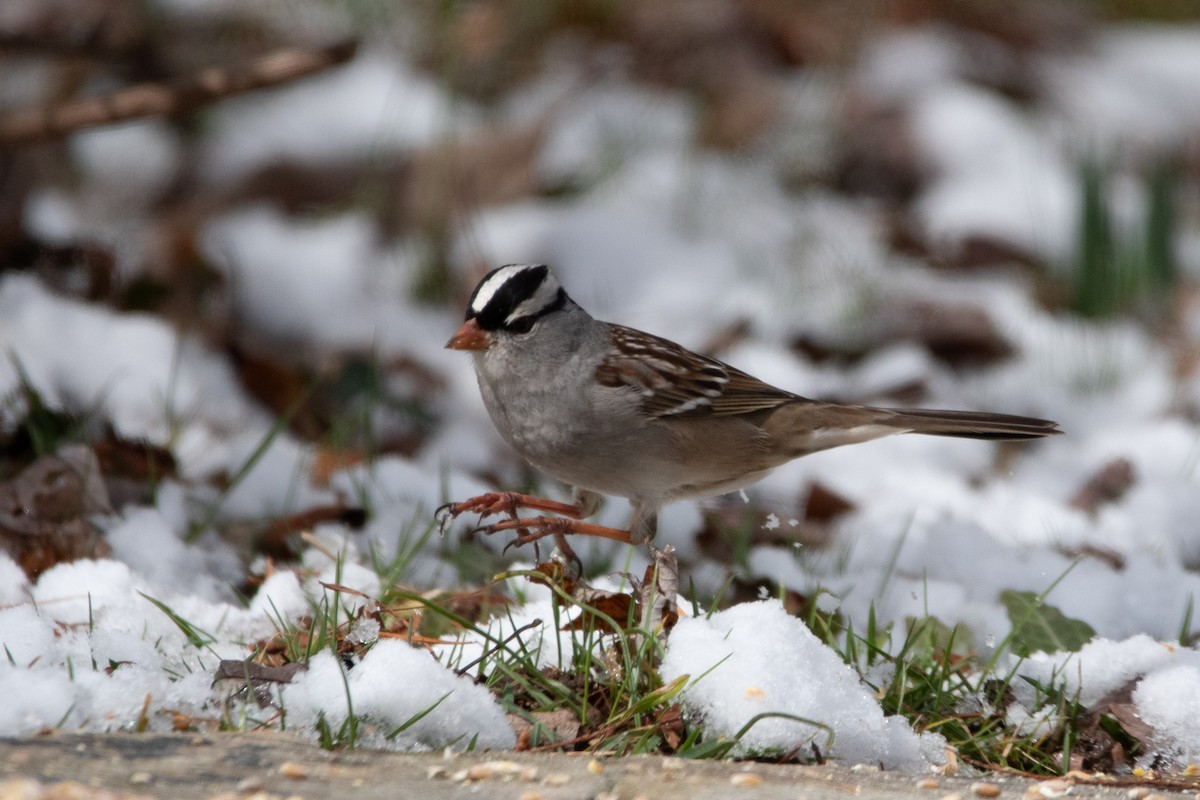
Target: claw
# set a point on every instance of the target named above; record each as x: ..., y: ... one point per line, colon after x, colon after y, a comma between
x: 485, y: 505
x: 529, y: 529
x: 443, y: 516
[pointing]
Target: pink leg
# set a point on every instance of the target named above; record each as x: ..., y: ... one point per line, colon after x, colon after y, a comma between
x: 534, y: 528
x: 506, y: 503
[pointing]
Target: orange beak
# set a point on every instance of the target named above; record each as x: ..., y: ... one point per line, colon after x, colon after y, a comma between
x: 469, y: 336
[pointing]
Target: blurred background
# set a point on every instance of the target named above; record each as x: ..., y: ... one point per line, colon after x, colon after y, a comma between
x: 234, y: 235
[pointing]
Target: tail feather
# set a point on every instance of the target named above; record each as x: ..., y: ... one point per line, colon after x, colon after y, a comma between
x: 971, y: 424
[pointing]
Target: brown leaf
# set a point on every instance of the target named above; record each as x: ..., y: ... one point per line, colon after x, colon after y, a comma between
x: 233, y: 669
x: 327, y: 461
x: 1108, y: 485
x: 555, y: 575
x: 134, y: 459
x: 275, y: 540
x: 959, y: 334
x: 659, y: 589
x: 1105, y: 554
x: 671, y: 726
x: 823, y: 505
x: 562, y: 725
x: 132, y: 468
x: 283, y: 388
x: 1094, y: 748
x: 256, y: 677
x: 615, y: 606
x: 45, y: 510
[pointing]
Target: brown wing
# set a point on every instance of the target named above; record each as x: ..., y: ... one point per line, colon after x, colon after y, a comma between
x: 675, y: 382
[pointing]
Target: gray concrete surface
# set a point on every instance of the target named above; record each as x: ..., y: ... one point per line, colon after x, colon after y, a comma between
x: 183, y: 767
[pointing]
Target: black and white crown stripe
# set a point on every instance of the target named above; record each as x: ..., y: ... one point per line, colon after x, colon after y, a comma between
x: 515, y: 292
x: 672, y: 381
x: 544, y: 297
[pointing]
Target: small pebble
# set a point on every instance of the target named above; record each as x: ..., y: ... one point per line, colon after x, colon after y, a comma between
x: 746, y: 780
x: 595, y: 766
x: 1055, y: 787
x: 556, y: 779
x: 530, y: 795
x: 17, y: 788
x: 141, y: 777
x: 436, y: 773
x: 290, y: 769
x: 1137, y: 793
x: 985, y: 789
x: 493, y: 770
x: 928, y: 783
x: 249, y: 785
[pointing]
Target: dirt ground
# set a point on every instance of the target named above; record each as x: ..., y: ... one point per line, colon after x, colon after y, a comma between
x: 187, y: 766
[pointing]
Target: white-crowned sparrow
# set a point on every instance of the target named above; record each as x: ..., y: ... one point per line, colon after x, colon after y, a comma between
x: 611, y: 410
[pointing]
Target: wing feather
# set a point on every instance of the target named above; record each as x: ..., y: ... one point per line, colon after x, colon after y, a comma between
x: 675, y: 382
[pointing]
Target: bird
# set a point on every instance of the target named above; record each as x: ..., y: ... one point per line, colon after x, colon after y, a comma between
x: 615, y: 411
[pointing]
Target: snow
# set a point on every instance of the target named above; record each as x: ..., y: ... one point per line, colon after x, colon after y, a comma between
x: 755, y: 658
x: 136, y: 159
x: 466, y: 713
x: 684, y: 243
x: 372, y: 104
x: 1135, y: 87
x: 132, y: 369
x: 1169, y: 701
x: 997, y: 175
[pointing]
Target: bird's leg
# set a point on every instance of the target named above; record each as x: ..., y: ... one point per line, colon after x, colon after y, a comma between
x: 534, y: 528
x: 585, y: 505
x: 531, y: 529
x: 506, y: 503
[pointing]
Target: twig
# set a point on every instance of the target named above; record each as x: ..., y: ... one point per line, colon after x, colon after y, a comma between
x: 161, y: 99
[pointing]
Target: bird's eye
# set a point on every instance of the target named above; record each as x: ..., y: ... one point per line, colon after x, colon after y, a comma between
x: 523, y: 325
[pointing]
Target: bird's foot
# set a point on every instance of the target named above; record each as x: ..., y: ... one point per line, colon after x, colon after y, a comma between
x: 531, y: 529
x: 493, y: 503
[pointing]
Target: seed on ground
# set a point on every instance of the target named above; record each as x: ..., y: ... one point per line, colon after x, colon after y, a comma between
x: 249, y: 785
x: 1055, y: 787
